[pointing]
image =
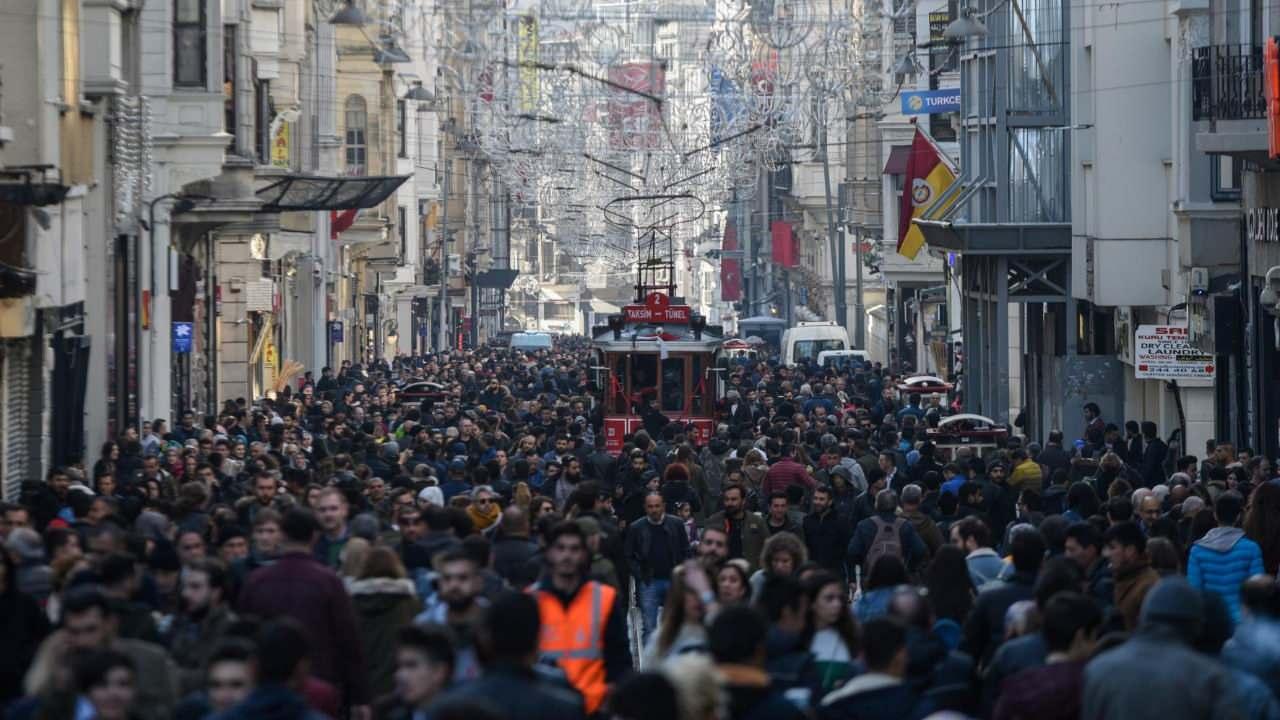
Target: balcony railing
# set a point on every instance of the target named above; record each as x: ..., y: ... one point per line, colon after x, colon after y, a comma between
x: 1227, y: 83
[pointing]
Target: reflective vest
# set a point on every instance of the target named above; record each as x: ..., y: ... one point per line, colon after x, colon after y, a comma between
x: 573, y: 636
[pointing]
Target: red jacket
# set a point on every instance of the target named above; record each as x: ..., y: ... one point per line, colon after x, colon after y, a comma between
x: 785, y: 473
x: 298, y: 586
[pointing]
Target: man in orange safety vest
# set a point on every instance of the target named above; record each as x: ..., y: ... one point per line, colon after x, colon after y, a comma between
x: 584, y: 626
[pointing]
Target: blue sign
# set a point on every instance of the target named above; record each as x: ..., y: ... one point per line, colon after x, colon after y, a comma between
x: 928, y: 102
x: 182, y: 336
x: 335, y: 331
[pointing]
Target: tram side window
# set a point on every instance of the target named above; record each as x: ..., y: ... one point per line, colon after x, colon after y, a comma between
x: 617, y: 387
x: 700, y: 384
x: 644, y: 380
x: 673, y: 389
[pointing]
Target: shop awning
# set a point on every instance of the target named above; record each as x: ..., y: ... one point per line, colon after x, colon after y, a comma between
x: 315, y: 192
x: 898, y: 157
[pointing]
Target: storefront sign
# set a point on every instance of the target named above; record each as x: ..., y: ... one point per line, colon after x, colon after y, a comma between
x: 183, y: 335
x: 335, y: 331
x: 657, y: 308
x: 280, y: 146
x: 1262, y: 225
x: 1162, y: 352
x: 928, y: 102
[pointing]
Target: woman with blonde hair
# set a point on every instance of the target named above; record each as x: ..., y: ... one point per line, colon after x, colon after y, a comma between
x: 682, y: 630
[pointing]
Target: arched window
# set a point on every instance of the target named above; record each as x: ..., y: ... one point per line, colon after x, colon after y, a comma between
x: 357, y: 119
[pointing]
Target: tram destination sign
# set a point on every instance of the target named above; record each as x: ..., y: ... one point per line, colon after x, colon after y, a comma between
x: 1163, y: 352
x: 657, y: 308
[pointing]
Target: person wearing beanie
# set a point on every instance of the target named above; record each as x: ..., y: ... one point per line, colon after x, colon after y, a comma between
x: 1124, y: 682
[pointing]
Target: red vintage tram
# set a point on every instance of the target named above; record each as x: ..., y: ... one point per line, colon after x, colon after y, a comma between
x: 657, y: 352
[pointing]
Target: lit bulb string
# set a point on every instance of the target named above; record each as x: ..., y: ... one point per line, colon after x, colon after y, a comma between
x: 164, y: 25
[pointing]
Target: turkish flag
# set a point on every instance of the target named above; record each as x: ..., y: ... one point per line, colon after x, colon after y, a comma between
x: 340, y: 221
x: 730, y: 270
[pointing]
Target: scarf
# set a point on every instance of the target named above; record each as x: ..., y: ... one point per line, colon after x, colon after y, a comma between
x: 483, y: 519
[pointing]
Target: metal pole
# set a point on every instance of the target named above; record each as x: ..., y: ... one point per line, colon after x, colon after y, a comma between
x: 475, y: 306
x: 837, y: 249
x: 442, y: 334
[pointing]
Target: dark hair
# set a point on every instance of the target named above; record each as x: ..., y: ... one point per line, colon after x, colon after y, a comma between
x: 1082, y: 499
x: 1164, y: 555
x: 92, y: 667
x: 888, y: 571
x: 510, y: 627
x: 1227, y: 507
x: 282, y: 646
x: 779, y: 594
x: 231, y: 649
x: 566, y: 528
x: 216, y: 571
x: 949, y: 584
x: 299, y: 525
x: 116, y: 568
x: 1058, y: 575
x: 1065, y: 614
x: 972, y: 527
x: 1126, y: 534
x: 882, y: 639
x: 737, y: 634
x: 84, y: 598
x: 1119, y: 509
x: 1086, y: 535
x: 1027, y: 549
x: 438, y: 519
x: 644, y: 695
x: 844, y: 626
x: 430, y: 640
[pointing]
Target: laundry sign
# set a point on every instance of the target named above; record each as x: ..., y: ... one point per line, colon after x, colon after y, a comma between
x: 1165, y: 352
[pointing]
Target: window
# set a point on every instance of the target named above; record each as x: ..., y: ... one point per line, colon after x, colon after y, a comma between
x: 1225, y: 178
x: 188, y: 43
x: 402, y: 226
x: 357, y: 146
x: 1038, y: 186
x: 262, y: 114
x: 673, y: 385
x: 809, y: 349
x: 402, y: 125
x: 229, y: 79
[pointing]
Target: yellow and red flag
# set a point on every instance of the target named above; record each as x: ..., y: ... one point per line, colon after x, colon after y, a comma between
x: 929, y: 174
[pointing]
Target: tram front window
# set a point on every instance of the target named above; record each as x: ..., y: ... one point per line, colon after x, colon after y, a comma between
x: 673, y: 390
x: 644, y: 381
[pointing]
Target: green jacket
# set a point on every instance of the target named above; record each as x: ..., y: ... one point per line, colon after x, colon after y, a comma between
x: 754, y: 532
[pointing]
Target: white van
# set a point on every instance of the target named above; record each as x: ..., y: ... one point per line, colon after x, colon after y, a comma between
x: 531, y: 341
x: 843, y: 358
x: 807, y: 339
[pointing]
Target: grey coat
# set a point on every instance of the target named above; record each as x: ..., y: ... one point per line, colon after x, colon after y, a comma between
x: 1157, y: 675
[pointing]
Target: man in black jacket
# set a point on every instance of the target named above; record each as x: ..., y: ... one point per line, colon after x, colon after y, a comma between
x: 1053, y: 456
x: 510, y: 686
x: 984, y: 629
x: 1152, y: 455
x: 656, y: 544
x: 826, y: 533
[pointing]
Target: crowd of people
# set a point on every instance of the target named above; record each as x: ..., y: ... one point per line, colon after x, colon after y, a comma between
x: 345, y: 550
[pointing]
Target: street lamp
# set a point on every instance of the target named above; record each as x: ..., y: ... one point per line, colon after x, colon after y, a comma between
x: 349, y: 14
x: 968, y: 25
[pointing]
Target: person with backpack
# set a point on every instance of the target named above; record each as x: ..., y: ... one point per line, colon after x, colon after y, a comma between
x: 884, y: 533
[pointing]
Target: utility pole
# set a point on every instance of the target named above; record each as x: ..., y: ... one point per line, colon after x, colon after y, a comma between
x: 442, y: 335
x: 837, y: 248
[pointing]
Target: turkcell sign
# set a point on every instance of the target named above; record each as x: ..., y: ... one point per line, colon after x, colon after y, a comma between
x: 928, y: 102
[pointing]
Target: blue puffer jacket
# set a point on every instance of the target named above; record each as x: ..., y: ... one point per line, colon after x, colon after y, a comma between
x: 1221, y: 561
